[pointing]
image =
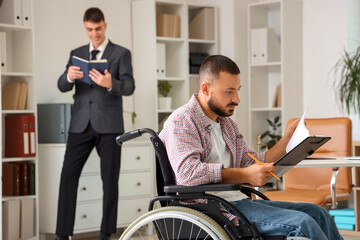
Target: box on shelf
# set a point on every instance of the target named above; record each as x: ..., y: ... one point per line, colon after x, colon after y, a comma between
x: 195, y: 61
x: 167, y: 25
x: 202, y: 26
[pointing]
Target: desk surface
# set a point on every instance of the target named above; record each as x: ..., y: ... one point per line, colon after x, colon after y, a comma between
x: 336, y: 162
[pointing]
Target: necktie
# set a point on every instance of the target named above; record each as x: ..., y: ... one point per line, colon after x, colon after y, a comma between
x: 94, y: 53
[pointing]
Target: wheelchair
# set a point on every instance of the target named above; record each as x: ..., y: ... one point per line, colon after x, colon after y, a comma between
x: 177, y: 219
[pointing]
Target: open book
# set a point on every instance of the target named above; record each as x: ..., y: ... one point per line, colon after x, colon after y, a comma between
x: 86, y: 66
x: 300, y: 146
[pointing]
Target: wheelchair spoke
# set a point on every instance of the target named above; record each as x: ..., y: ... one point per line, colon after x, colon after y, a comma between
x: 157, y: 226
x: 192, y: 227
x: 180, y: 229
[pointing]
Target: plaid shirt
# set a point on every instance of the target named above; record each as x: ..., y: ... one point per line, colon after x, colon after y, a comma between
x: 186, y: 136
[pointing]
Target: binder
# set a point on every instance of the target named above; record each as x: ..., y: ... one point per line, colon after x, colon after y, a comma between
x: 27, y: 218
x: 24, y: 179
x: 26, y: 12
x: 11, y: 179
x: 31, y: 180
x: 17, y: 136
x: 161, y: 62
x: 11, y: 219
x: 3, y: 52
x: 265, y: 46
x: 32, y: 137
x: 53, y: 122
x: 10, y: 12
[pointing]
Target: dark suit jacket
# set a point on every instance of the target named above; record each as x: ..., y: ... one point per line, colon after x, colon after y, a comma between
x: 96, y: 104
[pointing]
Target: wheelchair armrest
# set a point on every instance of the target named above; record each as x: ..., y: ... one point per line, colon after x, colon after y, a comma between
x: 216, y: 187
x: 202, y: 188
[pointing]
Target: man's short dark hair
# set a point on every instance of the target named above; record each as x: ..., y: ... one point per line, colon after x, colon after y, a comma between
x: 94, y: 15
x: 215, y: 64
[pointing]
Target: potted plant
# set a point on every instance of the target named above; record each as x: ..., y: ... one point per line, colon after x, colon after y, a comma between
x: 347, y: 87
x: 272, y: 135
x: 164, y: 88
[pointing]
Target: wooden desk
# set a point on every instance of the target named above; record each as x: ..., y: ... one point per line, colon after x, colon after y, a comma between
x: 335, y: 164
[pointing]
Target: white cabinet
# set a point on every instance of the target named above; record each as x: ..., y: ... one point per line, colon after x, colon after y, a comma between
x: 136, y: 186
x: 275, y: 63
x: 17, y: 65
x: 168, y: 53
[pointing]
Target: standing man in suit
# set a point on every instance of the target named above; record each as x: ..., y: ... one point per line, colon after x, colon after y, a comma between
x: 95, y: 122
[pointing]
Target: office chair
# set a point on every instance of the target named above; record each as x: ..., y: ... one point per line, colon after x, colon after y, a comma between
x: 178, y: 219
x: 312, y: 185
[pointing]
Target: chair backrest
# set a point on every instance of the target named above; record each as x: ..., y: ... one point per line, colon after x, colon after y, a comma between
x: 164, y: 172
x: 340, y: 145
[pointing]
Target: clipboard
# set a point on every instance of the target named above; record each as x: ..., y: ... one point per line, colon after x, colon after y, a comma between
x: 304, y: 149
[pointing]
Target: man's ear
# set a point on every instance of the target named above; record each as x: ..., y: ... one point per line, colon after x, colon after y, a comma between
x: 205, y: 88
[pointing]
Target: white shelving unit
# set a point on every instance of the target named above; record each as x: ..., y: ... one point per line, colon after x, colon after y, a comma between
x: 275, y: 57
x: 177, y: 53
x: 19, y: 48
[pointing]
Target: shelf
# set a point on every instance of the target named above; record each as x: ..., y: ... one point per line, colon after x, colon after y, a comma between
x: 18, y: 159
x: 169, y: 39
x: 175, y: 79
x: 18, y: 112
x: 266, y: 109
x: 17, y: 74
x: 165, y: 110
x: 202, y: 41
x: 267, y: 3
x: 270, y: 64
x: 7, y: 198
x: 4, y: 27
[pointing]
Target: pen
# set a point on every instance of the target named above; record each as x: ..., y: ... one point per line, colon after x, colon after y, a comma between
x: 262, y: 164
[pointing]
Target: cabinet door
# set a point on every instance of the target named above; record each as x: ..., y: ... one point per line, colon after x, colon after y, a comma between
x: 136, y: 158
x: 130, y: 209
x: 135, y: 184
x: 90, y: 188
x: 88, y: 216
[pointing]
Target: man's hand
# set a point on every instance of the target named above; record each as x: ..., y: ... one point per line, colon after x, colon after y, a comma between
x: 256, y: 175
x: 103, y: 80
x: 74, y: 73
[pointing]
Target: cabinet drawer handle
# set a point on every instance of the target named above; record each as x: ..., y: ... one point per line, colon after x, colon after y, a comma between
x: 138, y: 184
x: 84, y: 216
x: 138, y: 158
x: 139, y: 210
x: 84, y: 189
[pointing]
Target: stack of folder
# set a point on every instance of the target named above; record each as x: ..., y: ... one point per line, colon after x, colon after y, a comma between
x: 344, y: 218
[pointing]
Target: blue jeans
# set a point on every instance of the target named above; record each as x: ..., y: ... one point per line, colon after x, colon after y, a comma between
x: 289, y: 219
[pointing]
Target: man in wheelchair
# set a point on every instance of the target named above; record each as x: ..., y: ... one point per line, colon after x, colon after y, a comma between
x: 204, y: 146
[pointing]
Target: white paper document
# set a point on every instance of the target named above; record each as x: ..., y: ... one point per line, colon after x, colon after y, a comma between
x: 300, y: 133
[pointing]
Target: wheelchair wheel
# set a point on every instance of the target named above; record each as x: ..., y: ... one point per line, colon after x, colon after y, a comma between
x: 174, y: 223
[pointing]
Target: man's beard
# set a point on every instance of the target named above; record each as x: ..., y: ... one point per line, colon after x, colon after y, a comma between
x: 218, y: 110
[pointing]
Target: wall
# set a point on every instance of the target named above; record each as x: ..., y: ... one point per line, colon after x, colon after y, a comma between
x: 59, y: 29
x: 324, y: 39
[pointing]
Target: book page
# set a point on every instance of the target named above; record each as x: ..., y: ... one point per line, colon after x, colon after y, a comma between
x: 300, y: 133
